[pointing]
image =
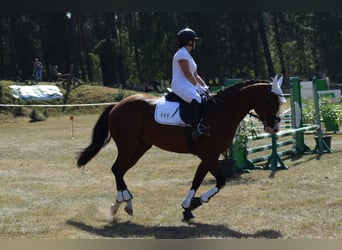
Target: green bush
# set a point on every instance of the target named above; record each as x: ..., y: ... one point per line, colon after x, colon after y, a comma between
x: 309, y: 114
x: 1, y: 87
x: 46, y: 113
x: 121, y: 94
x: 328, y: 111
x: 36, y: 116
x: 19, y: 111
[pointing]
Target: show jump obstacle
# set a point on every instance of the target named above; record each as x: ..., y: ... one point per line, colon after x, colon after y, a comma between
x: 294, y: 127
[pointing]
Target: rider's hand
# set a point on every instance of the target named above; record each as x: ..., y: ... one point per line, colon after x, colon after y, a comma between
x: 202, y: 89
x: 206, y: 89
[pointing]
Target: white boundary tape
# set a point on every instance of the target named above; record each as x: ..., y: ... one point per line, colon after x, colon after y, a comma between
x: 56, y: 105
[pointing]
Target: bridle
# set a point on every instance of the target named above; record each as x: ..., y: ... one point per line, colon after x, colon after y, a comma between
x: 264, y: 118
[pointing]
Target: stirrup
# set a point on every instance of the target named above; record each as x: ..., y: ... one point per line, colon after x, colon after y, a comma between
x: 202, y: 129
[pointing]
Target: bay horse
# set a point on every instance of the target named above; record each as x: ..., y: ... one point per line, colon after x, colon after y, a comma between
x: 132, y: 126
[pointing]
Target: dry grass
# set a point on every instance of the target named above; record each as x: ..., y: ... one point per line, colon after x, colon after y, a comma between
x: 44, y: 195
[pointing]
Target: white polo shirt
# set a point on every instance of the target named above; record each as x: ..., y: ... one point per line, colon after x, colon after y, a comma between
x: 180, y: 84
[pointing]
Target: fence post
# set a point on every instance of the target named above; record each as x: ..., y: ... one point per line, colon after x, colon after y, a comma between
x: 274, y: 159
x: 321, y: 147
x: 296, y: 110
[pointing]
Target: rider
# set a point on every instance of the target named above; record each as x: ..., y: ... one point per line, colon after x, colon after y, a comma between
x: 186, y: 82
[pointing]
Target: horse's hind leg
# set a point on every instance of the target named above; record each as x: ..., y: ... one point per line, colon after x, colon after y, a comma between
x: 124, y: 162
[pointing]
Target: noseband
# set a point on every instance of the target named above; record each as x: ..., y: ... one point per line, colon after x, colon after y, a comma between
x: 263, y: 118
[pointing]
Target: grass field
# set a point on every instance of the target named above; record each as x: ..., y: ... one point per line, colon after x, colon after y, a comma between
x: 44, y: 195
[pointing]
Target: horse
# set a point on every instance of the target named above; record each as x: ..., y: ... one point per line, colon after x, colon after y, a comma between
x: 131, y: 124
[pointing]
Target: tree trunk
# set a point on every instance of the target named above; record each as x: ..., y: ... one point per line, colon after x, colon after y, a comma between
x: 254, y: 51
x: 2, y: 71
x: 135, y: 46
x: 279, y: 44
x: 263, y: 36
x: 105, y: 50
x: 85, y: 47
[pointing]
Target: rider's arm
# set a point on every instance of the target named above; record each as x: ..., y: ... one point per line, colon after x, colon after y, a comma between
x: 184, y: 64
x: 199, y: 79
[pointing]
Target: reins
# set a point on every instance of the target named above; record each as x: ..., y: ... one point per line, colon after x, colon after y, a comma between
x: 255, y: 116
x: 263, y: 119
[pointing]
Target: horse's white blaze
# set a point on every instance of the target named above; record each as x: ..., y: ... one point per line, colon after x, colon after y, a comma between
x: 186, y: 203
x: 206, y: 196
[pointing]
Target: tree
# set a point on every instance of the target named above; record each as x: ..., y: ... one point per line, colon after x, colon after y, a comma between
x: 105, y: 47
x: 55, y: 41
x: 130, y: 48
x: 2, y: 35
x: 278, y: 41
x: 327, y: 43
x: 84, y: 39
x: 264, y: 40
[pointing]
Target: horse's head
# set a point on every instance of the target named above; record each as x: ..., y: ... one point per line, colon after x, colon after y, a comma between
x: 269, y: 109
x: 261, y: 96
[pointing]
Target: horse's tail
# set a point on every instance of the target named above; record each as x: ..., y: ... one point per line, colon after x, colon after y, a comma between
x: 100, y: 139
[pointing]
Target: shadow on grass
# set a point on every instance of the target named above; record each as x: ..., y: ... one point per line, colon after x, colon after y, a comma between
x: 190, y: 230
x: 297, y: 159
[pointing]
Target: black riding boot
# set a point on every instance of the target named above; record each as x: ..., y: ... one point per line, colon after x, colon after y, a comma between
x: 198, y: 128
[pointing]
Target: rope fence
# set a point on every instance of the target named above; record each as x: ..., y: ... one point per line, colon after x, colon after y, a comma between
x: 57, y: 105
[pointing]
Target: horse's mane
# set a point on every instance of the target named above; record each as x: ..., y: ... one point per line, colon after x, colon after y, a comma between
x: 239, y: 85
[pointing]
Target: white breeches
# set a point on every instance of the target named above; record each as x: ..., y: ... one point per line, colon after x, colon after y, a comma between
x: 186, y: 91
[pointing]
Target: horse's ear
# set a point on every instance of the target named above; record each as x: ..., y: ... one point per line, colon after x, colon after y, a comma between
x: 276, y: 88
x: 274, y: 80
x: 280, y: 81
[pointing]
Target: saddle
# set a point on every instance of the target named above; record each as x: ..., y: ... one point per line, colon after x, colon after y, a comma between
x: 173, y: 110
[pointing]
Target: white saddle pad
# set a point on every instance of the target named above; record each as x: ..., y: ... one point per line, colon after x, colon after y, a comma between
x: 167, y: 113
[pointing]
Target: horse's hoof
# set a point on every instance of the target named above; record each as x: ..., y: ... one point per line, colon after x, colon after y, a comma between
x: 187, y: 215
x: 114, y: 208
x: 129, y: 210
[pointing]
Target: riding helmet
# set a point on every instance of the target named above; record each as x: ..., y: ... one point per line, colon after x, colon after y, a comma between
x: 186, y: 35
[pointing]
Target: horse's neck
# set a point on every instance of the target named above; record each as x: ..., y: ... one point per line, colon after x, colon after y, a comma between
x: 241, y: 104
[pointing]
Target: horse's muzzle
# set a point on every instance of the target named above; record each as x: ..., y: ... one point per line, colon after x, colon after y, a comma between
x: 270, y: 130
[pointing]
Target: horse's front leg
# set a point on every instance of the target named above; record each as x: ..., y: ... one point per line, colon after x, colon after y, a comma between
x: 191, y: 202
x: 218, y: 173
